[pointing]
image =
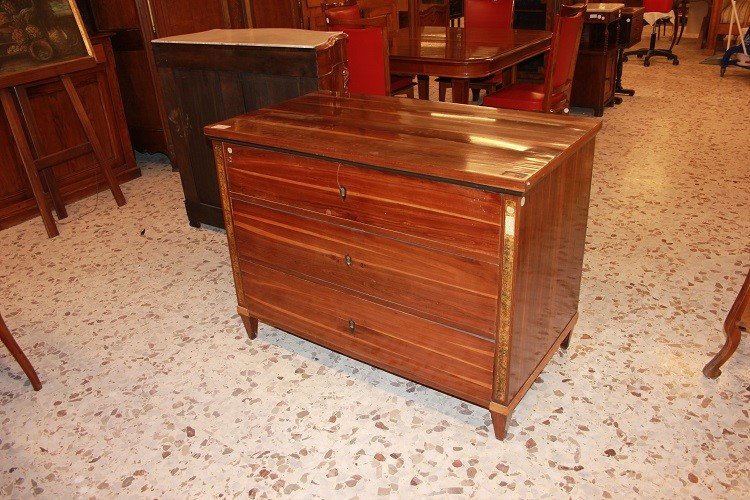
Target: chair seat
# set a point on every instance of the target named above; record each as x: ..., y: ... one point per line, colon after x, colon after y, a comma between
x: 400, y: 82
x: 521, y: 96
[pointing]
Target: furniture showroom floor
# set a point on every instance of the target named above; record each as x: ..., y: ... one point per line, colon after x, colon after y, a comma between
x: 152, y: 388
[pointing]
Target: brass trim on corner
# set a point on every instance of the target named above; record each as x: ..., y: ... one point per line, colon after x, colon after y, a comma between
x: 228, y: 221
x: 502, y: 347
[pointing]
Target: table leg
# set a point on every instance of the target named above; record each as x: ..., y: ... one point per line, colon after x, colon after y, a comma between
x: 423, y: 85
x: 460, y: 88
x: 618, y: 79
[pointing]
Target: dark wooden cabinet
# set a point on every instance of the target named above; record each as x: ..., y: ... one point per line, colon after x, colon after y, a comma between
x: 211, y: 76
x: 596, y: 68
x: 276, y: 14
x: 134, y: 24
x: 456, y: 265
x: 51, y: 117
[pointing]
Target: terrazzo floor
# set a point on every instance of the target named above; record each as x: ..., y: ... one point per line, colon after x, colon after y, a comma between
x: 152, y: 388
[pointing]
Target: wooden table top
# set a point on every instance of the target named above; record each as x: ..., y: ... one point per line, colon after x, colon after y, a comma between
x: 495, y: 149
x: 479, y: 51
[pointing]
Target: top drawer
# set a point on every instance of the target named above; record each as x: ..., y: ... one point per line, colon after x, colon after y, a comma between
x: 454, y: 218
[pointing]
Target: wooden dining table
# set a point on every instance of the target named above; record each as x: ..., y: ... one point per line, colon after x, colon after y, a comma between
x: 462, y: 53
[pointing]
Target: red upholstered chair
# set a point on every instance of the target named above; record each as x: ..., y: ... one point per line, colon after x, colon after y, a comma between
x: 488, y: 13
x: 656, y: 12
x: 554, y: 94
x: 367, y: 60
x: 483, y: 14
x: 347, y: 14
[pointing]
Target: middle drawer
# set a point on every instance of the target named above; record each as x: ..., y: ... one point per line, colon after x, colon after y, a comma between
x: 447, y: 288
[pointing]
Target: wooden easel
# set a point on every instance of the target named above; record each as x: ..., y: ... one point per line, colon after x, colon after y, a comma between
x: 34, y: 166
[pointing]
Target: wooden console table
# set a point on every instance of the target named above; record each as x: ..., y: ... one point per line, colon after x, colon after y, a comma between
x: 216, y: 74
x: 443, y: 243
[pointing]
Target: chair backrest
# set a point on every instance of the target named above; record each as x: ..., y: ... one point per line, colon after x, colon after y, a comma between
x: 561, y: 62
x: 658, y: 5
x: 338, y: 11
x: 335, y: 11
x: 367, y: 60
x: 488, y: 13
x: 434, y: 13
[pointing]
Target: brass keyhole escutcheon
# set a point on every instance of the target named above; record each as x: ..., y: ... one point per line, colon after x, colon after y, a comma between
x: 352, y: 326
x: 342, y: 192
x: 348, y: 260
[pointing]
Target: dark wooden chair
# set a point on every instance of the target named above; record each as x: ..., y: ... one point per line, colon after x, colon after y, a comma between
x: 483, y: 14
x: 19, y: 356
x: 349, y: 14
x: 738, y: 320
x: 552, y: 96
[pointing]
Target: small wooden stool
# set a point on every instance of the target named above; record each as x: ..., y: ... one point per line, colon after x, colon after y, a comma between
x: 18, y: 354
x: 738, y: 319
x: 34, y: 166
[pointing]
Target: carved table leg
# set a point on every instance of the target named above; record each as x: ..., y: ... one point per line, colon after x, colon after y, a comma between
x: 251, y: 325
x: 19, y: 356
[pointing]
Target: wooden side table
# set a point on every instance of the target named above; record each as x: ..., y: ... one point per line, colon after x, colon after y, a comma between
x: 18, y: 354
x: 737, y: 320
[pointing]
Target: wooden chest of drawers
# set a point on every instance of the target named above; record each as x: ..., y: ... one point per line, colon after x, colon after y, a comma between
x: 440, y: 242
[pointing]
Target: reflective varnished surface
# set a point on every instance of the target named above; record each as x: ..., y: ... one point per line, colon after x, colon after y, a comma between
x: 462, y: 52
x: 498, y: 149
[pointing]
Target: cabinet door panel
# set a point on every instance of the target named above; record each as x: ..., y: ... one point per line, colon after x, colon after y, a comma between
x: 14, y: 186
x: 275, y: 14
x: 177, y: 17
x: 113, y: 15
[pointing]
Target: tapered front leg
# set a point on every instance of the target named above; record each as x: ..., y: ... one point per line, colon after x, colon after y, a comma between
x: 499, y: 424
x: 566, y: 341
x: 251, y: 325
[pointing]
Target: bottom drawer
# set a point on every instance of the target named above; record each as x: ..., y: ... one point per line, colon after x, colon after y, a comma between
x: 429, y: 353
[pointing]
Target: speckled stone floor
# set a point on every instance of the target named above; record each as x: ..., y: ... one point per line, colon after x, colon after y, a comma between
x: 152, y: 389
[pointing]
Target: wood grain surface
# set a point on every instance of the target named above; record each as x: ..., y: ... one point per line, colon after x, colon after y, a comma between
x: 490, y: 148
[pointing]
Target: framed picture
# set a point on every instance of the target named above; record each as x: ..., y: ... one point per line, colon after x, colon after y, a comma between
x: 41, y: 39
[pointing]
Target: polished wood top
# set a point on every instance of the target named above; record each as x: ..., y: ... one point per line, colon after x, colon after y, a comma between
x: 496, y: 149
x: 464, y: 45
x: 258, y: 37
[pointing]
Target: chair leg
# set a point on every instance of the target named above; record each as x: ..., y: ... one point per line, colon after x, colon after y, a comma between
x: 712, y: 368
x: 410, y: 93
x: 475, y: 94
x: 442, y: 87
x: 19, y: 356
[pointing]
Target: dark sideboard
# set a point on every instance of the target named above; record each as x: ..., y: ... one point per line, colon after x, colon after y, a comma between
x: 217, y: 74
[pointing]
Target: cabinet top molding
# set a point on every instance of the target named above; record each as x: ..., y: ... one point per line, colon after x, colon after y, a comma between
x: 497, y: 150
x: 258, y: 37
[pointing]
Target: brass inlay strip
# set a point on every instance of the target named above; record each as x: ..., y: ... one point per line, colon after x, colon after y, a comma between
x: 502, y: 347
x: 228, y: 221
